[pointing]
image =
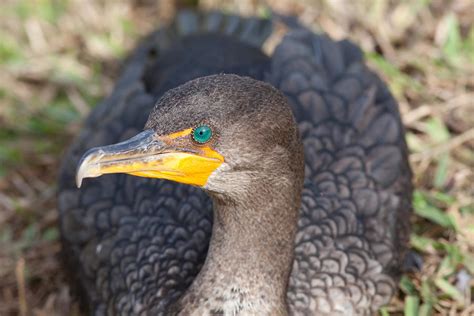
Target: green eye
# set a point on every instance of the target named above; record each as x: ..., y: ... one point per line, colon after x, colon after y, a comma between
x: 202, y: 134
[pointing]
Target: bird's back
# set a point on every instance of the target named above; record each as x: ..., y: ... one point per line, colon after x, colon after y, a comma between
x: 136, y: 244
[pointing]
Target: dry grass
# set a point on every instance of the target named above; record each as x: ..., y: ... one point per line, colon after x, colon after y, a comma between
x: 58, y: 58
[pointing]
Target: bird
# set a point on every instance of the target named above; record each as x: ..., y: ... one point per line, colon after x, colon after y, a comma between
x: 219, y: 180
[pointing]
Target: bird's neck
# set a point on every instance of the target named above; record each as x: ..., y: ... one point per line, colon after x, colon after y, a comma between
x: 250, y: 255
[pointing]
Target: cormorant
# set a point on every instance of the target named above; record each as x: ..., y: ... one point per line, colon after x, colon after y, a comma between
x: 290, y: 189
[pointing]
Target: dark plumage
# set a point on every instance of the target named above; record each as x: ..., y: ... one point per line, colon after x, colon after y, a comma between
x: 320, y: 233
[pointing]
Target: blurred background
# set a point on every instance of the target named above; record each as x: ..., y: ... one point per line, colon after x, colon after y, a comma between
x: 58, y: 58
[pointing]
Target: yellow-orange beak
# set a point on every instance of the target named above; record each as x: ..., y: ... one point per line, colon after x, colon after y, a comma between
x: 148, y: 155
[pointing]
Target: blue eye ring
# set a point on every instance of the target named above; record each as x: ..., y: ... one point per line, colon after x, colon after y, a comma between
x: 202, y: 134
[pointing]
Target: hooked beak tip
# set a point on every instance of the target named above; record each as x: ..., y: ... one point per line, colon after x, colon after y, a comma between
x: 87, y: 168
x: 78, y: 182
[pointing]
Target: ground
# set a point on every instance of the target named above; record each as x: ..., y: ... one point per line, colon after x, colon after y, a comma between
x: 59, y: 58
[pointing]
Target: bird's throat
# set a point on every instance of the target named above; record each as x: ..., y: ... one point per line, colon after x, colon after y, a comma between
x: 249, y: 259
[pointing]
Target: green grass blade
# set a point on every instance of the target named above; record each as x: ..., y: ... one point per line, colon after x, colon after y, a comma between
x: 426, y: 210
x: 449, y: 290
x: 411, y: 305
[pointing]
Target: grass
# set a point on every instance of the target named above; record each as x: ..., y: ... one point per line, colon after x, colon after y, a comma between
x: 59, y: 58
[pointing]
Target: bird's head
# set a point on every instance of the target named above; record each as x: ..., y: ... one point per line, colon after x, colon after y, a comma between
x: 219, y: 132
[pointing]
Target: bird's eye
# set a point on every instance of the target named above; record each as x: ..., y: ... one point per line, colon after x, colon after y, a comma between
x: 202, y: 134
